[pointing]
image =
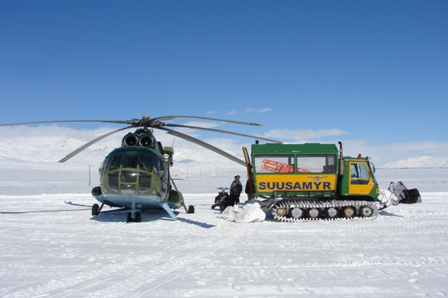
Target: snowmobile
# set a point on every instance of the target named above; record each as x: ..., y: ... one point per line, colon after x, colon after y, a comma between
x: 222, y: 199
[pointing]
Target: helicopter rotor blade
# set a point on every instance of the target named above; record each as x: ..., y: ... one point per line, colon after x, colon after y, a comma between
x: 204, y: 118
x: 91, y: 143
x: 147, y: 122
x: 144, y: 122
x: 66, y: 121
x: 204, y: 144
x: 222, y: 131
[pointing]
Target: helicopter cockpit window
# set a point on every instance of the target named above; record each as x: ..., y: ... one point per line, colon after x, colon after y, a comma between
x: 145, y: 162
x: 128, y: 176
x: 115, y: 162
x: 162, y: 166
x: 130, y: 159
x: 113, y: 166
x: 144, y: 181
x: 156, y: 164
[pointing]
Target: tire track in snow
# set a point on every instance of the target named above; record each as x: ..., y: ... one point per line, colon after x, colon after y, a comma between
x: 223, y: 252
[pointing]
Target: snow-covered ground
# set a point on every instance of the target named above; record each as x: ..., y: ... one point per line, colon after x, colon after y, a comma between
x: 51, y: 246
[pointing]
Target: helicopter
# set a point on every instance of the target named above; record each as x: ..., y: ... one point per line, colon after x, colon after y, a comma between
x: 136, y: 175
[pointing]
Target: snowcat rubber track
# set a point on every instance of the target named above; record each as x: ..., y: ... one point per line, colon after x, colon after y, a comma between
x: 311, y: 210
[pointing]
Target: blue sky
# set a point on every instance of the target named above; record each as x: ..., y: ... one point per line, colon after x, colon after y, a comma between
x: 368, y: 71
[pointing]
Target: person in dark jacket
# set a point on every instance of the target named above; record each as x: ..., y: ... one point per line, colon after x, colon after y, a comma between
x: 235, y: 190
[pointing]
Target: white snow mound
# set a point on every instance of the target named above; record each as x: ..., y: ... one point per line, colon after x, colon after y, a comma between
x: 388, y: 198
x: 249, y: 212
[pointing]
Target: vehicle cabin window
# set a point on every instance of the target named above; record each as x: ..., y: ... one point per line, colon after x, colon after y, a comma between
x: 359, y: 173
x: 325, y: 163
x: 274, y: 163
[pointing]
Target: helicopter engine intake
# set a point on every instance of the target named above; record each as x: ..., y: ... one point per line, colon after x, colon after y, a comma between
x: 130, y: 140
x: 146, y: 140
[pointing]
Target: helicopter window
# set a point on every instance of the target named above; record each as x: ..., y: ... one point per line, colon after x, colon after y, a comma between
x: 130, y: 159
x: 128, y: 176
x: 144, y: 182
x: 115, y: 162
x: 145, y: 162
x: 102, y: 166
x: 113, y: 180
x: 162, y: 166
x: 156, y: 164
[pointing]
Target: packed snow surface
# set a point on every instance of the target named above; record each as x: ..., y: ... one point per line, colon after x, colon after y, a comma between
x: 51, y: 246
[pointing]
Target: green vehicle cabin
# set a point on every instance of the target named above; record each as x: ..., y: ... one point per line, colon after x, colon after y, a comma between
x: 315, y: 181
x: 310, y: 170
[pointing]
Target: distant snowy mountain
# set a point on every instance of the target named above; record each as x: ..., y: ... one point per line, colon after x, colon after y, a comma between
x: 418, y: 162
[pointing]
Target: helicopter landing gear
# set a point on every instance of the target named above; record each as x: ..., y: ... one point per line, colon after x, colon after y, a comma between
x: 190, y: 209
x: 168, y: 210
x: 134, y: 215
x: 137, y: 217
x: 96, y: 209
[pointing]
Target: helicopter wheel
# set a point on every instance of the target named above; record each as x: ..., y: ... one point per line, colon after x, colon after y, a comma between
x: 191, y: 209
x: 95, y: 209
x: 138, y: 217
x: 129, y: 218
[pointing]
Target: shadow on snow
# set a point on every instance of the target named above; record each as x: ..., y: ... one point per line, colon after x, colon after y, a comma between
x: 120, y: 215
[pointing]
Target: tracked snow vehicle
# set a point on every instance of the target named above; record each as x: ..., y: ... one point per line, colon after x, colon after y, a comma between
x: 297, y: 182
